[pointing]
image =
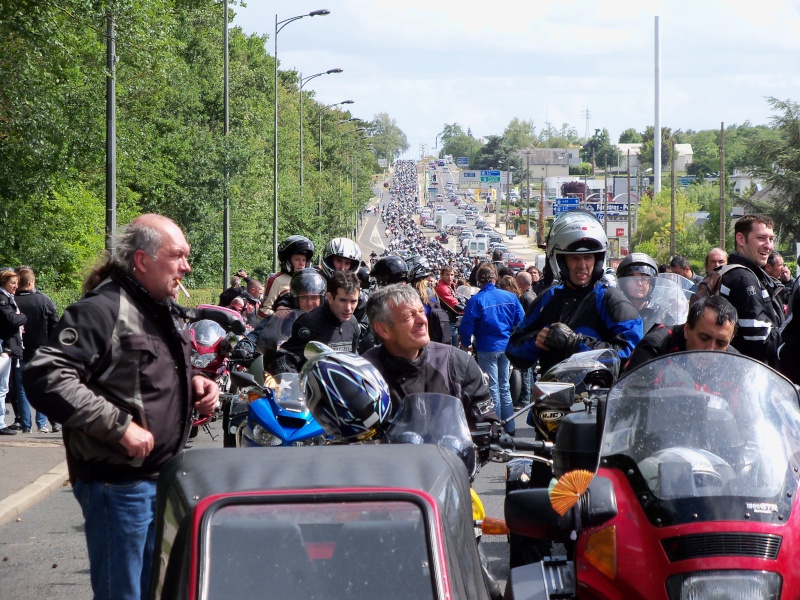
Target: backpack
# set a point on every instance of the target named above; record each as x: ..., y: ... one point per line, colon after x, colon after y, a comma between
x: 712, y: 282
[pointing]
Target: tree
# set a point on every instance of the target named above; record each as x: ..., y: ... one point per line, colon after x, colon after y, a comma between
x: 494, y: 153
x: 598, y: 150
x: 630, y: 136
x: 388, y: 139
x: 653, y: 231
x: 457, y: 143
x: 646, y: 152
x: 520, y: 134
x: 566, y: 136
x: 782, y: 173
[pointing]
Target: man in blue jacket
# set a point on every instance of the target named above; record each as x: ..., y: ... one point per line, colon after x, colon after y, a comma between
x: 490, y: 316
x: 582, y: 313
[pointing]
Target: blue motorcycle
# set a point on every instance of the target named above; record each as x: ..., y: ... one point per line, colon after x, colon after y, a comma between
x: 273, y: 414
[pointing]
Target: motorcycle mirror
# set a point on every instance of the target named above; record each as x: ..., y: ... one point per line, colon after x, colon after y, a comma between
x: 242, y: 379
x: 556, y: 392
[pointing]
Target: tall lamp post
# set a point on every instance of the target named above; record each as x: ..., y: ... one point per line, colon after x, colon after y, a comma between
x: 319, y: 209
x: 303, y: 81
x: 279, y: 25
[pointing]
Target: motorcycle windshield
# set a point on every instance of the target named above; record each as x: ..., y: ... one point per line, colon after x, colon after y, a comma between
x: 577, y: 367
x: 287, y: 392
x: 705, y: 436
x: 277, y: 330
x: 658, y: 299
x: 687, y: 285
x: 207, y: 333
x: 433, y: 419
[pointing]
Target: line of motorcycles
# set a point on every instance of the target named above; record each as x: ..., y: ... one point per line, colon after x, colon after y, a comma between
x: 675, y: 481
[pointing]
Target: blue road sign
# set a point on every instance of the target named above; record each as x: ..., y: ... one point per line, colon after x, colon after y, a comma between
x: 568, y: 201
x: 462, y: 161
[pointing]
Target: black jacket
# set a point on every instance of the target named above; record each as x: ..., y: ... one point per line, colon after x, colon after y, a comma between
x: 116, y: 355
x: 42, y: 320
x: 318, y: 325
x: 10, y: 323
x: 660, y: 340
x: 789, y: 350
x: 753, y: 294
x: 439, y: 368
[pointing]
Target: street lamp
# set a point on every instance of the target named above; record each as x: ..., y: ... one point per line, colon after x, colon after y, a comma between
x: 279, y: 25
x: 303, y: 81
x: 319, y: 209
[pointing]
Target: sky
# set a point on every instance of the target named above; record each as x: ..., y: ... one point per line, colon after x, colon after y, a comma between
x: 480, y: 64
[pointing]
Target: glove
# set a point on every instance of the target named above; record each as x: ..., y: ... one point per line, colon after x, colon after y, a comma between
x: 561, y: 337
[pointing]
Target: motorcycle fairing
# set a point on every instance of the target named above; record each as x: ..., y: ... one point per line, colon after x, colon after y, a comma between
x: 431, y: 476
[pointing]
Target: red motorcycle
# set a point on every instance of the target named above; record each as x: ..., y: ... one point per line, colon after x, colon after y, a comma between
x: 694, y: 494
x: 215, y: 331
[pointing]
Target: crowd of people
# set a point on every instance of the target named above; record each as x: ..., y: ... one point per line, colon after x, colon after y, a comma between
x: 115, y: 369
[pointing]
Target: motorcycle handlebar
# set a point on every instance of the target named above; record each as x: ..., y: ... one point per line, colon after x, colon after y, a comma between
x: 528, y: 445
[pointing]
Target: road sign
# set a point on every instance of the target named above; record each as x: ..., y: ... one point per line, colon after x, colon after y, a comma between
x: 568, y: 201
x: 490, y: 176
x: 432, y: 189
x: 462, y: 161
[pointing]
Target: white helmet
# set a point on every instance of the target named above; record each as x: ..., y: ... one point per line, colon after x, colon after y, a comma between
x: 576, y: 232
x: 344, y: 248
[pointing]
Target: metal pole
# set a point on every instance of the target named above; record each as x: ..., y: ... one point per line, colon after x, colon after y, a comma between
x: 226, y: 201
x: 605, y: 197
x: 630, y: 231
x: 319, y: 205
x: 657, y: 124
x: 722, y: 185
x: 111, y: 137
x: 528, y: 194
x: 540, y: 224
x: 672, y: 201
x: 301, y: 137
x: 275, y: 166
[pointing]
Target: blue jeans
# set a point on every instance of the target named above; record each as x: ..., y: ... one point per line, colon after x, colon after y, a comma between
x: 23, y: 404
x: 454, y: 333
x: 527, y: 382
x: 496, y: 365
x: 5, y: 373
x: 120, y: 536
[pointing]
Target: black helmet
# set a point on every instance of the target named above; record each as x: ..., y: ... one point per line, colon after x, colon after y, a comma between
x: 637, y: 262
x: 363, y: 276
x: 344, y: 248
x: 576, y: 232
x: 294, y: 244
x: 307, y: 281
x: 390, y: 269
x: 418, y: 268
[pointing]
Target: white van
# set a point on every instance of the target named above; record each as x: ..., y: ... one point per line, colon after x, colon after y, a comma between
x: 476, y: 248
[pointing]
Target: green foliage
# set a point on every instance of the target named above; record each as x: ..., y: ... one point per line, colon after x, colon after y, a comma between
x: 648, y: 146
x: 520, y: 134
x: 581, y: 169
x: 172, y: 155
x: 652, y: 233
x: 630, y: 136
x: 598, y: 150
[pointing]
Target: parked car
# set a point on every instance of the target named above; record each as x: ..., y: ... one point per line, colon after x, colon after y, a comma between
x: 514, y: 261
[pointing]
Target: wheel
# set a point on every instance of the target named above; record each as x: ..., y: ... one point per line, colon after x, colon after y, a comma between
x: 515, y: 383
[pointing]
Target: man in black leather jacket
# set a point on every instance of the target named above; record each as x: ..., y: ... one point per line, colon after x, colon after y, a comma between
x: 410, y: 363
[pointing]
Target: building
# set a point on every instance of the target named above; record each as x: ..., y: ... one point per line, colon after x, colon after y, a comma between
x: 682, y: 160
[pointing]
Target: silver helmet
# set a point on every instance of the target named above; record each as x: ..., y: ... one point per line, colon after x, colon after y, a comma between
x: 576, y: 232
x: 344, y: 248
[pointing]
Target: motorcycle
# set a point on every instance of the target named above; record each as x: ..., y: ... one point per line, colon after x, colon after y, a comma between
x: 276, y: 413
x: 442, y: 238
x: 214, y: 332
x: 564, y: 389
x: 696, y: 458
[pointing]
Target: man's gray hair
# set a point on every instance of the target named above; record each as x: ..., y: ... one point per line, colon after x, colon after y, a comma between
x: 136, y: 236
x: 383, y: 300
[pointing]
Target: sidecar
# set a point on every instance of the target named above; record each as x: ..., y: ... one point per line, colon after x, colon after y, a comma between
x: 351, y: 522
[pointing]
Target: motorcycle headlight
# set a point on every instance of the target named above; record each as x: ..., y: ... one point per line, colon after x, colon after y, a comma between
x: 201, y: 361
x: 728, y: 585
x: 262, y: 437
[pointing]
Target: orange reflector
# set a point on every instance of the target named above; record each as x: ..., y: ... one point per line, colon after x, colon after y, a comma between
x: 253, y: 395
x: 601, y: 551
x: 492, y: 526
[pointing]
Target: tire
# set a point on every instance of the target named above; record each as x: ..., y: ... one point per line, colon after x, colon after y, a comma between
x: 228, y: 439
x: 515, y: 383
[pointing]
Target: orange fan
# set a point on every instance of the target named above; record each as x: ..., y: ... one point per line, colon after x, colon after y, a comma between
x: 568, y: 490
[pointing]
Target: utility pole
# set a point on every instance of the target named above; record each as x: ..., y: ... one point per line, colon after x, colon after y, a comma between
x: 111, y: 136
x: 672, y: 201
x: 605, y: 198
x: 630, y: 206
x: 540, y: 224
x: 722, y: 185
x: 528, y: 188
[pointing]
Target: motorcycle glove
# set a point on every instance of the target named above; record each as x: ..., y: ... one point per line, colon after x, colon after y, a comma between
x: 561, y: 337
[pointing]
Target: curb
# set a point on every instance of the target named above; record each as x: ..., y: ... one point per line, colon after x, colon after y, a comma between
x: 18, y: 502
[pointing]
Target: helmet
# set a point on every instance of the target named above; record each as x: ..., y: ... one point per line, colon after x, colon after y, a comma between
x: 363, y: 276
x: 308, y: 281
x: 709, y: 473
x: 343, y: 248
x: 418, y: 268
x: 637, y: 262
x: 294, y: 244
x: 346, y: 394
x: 576, y: 232
x: 390, y: 269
